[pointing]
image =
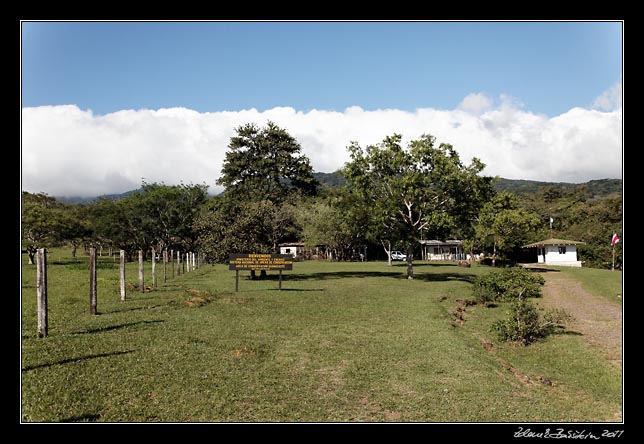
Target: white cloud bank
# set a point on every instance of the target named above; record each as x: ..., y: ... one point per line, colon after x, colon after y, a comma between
x: 67, y: 151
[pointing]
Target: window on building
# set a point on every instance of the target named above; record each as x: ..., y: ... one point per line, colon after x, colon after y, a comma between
x: 562, y: 250
x: 288, y: 251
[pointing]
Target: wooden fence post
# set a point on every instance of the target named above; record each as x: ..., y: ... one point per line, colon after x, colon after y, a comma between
x: 154, y: 269
x: 172, y: 262
x: 122, y: 274
x: 141, y: 282
x: 186, y: 266
x: 41, y: 290
x: 178, y: 263
x: 165, y: 266
x: 92, y: 281
x: 194, y: 264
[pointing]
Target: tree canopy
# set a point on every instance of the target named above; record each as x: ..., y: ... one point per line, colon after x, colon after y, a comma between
x: 264, y: 173
x: 265, y: 164
x: 503, y: 227
x: 421, y: 188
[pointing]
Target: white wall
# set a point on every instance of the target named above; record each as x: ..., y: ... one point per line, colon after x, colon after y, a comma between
x: 292, y: 251
x: 553, y: 255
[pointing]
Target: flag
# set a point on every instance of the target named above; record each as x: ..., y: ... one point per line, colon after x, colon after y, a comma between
x: 614, y: 240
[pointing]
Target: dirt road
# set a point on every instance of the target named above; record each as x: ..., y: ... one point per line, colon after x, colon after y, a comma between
x: 597, y: 319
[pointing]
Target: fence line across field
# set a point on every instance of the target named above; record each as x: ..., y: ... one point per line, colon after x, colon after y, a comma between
x: 192, y: 260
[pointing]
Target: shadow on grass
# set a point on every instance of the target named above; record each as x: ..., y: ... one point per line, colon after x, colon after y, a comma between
x: 442, y: 277
x: 328, y: 275
x: 87, y: 417
x: 78, y: 359
x: 540, y: 269
x: 427, y: 277
x: 145, y: 307
x: 299, y: 289
x: 431, y: 264
x: 116, y: 327
x: 566, y: 333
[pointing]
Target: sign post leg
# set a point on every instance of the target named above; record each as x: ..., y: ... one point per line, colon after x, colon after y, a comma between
x: 236, y: 280
x: 280, y: 286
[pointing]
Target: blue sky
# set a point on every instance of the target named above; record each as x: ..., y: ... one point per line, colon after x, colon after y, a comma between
x: 549, y: 67
x: 102, y: 100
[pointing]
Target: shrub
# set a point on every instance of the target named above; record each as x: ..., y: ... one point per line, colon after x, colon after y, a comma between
x: 525, y: 324
x: 507, y: 284
x: 521, y: 326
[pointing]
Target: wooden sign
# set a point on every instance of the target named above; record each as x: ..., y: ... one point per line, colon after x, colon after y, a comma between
x: 260, y: 262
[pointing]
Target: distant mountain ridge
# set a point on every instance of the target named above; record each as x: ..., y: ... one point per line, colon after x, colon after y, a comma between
x: 86, y: 200
x: 598, y: 187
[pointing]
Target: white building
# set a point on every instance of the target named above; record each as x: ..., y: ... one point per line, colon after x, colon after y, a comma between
x: 293, y: 248
x: 557, y: 252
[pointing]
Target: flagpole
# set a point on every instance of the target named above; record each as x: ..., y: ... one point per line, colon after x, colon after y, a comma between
x: 613, y: 241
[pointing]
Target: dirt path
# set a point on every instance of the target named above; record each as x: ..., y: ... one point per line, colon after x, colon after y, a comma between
x: 598, y: 320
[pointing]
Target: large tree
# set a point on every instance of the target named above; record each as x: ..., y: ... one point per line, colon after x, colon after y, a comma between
x: 503, y: 226
x: 158, y: 215
x: 265, y: 164
x: 264, y: 173
x: 41, y: 222
x: 420, y: 188
x: 339, y: 223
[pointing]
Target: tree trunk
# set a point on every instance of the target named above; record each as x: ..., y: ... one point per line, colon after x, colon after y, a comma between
x: 494, y: 255
x: 387, y: 250
x: 32, y: 254
x: 410, y: 260
x: 74, y: 251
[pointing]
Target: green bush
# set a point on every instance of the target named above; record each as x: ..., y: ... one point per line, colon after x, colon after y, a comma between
x: 507, y: 284
x: 525, y: 324
x: 521, y: 326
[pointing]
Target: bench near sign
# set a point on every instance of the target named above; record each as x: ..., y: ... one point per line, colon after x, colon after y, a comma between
x: 260, y: 262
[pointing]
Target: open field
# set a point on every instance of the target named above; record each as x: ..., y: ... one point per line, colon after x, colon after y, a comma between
x: 342, y: 342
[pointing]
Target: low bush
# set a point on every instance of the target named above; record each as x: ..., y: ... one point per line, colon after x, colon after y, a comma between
x: 525, y: 324
x: 507, y: 284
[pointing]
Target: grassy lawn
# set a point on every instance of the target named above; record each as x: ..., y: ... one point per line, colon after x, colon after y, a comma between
x: 342, y: 342
x: 604, y: 283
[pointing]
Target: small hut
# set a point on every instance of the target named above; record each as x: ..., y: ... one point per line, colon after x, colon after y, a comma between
x: 295, y: 249
x: 557, y: 252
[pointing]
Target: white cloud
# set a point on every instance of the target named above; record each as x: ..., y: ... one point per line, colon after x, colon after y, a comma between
x: 68, y: 151
x: 611, y: 99
x: 475, y: 103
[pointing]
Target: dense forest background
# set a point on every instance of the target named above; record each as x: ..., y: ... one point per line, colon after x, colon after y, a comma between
x: 589, y: 212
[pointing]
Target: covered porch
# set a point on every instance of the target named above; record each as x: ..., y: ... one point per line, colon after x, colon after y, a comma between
x: 449, y: 250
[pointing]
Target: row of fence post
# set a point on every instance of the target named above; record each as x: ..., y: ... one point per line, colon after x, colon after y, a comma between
x: 185, y: 263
